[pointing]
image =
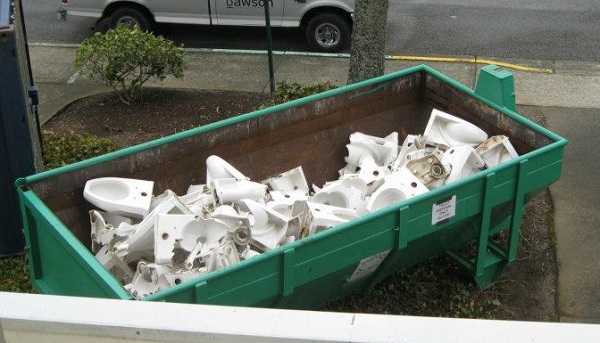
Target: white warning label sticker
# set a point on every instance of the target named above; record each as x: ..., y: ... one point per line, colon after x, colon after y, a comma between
x: 367, y: 266
x: 443, y: 210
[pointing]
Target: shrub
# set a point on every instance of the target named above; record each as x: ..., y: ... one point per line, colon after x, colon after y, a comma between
x: 60, y: 150
x: 291, y: 91
x: 14, y: 276
x: 125, y: 58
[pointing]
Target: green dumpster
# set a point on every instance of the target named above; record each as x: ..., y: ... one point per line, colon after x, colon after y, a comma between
x: 307, y: 132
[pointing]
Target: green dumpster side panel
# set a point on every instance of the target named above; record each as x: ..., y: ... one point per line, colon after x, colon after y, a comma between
x: 58, y: 263
x: 311, y: 132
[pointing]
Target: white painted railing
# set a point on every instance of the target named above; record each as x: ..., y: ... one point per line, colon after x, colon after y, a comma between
x: 43, y: 318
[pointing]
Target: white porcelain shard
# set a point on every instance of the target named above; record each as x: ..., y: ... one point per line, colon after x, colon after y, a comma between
x: 398, y: 186
x: 249, y: 253
x: 294, y: 226
x: 287, y: 240
x: 268, y: 227
x: 238, y: 224
x: 291, y: 181
x: 464, y: 161
x: 382, y: 150
x: 340, y: 194
x: 497, y: 150
x: 145, y: 280
x: 287, y: 197
x: 124, y: 230
x: 430, y: 169
x: 119, y: 268
x: 287, y: 204
x: 108, y: 228
x: 372, y: 174
x: 322, y: 217
x: 130, y: 197
x: 196, y: 188
x: 193, y: 256
x: 222, y: 256
x: 196, y: 196
x: 232, y: 191
x: 356, y: 152
x: 101, y: 232
x: 293, y: 209
x: 416, y: 154
x: 141, y: 242
x: 200, y: 202
x: 169, y: 230
x: 174, y: 278
x: 411, y: 143
x: 358, y: 181
x: 445, y: 130
x: 114, y: 219
x: 208, y: 231
x: 159, y: 199
x: 230, y: 216
x: 218, y: 168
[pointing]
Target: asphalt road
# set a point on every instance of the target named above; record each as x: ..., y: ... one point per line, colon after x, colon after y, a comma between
x: 538, y: 29
x: 541, y: 29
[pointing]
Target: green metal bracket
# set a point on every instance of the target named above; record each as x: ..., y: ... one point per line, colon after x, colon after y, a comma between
x: 201, y: 292
x: 401, y: 243
x: 288, y: 272
x: 491, y: 259
x: 497, y: 85
x: 519, y: 204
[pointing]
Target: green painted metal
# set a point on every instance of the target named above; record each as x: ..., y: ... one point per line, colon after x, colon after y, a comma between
x: 497, y: 85
x: 58, y: 263
x: 333, y: 263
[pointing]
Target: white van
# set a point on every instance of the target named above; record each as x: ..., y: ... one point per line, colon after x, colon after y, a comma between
x: 328, y: 23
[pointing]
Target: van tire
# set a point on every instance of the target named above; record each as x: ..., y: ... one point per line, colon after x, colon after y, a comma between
x: 130, y: 17
x: 103, y: 25
x: 328, y: 32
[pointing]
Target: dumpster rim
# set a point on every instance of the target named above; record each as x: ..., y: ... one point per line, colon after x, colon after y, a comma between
x: 273, y: 109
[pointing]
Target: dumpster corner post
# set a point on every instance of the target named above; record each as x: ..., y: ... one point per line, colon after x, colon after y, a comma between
x: 497, y: 85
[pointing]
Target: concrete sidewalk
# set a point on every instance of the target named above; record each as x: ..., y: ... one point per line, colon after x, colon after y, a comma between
x: 569, y: 98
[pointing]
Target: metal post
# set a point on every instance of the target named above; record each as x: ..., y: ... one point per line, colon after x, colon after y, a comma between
x: 269, y: 45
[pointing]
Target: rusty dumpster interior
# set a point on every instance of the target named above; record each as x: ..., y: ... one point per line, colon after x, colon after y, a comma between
x: 312, y: 135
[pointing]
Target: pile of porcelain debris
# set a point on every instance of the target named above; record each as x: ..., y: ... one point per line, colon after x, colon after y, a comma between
x: 150, y: 243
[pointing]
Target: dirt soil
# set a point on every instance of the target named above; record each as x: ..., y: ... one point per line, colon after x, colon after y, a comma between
x: 527, y: 290
x: 161, y: 113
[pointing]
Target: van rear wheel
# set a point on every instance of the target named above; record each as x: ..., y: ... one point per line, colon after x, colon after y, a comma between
x: 328, y: 32
x: 130, y: 17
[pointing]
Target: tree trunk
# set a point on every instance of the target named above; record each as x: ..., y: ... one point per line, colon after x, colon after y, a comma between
x: 367, y: 51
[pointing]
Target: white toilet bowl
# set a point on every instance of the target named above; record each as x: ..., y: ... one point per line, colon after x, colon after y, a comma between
x: 120, y: 195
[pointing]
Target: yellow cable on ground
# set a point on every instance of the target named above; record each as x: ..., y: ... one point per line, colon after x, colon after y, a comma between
x: 471, y: 60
